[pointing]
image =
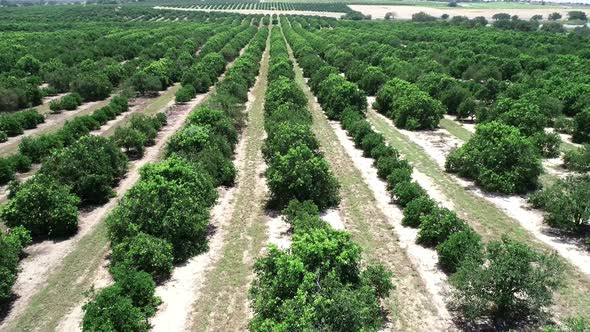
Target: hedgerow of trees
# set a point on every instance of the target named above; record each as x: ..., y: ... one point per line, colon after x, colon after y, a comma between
x: 348, y: 296
x: 461, y: 252
x: 179, y: 191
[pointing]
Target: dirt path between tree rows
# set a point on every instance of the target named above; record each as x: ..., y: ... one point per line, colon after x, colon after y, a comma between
x: 416, y: 303
x: 220, y: 301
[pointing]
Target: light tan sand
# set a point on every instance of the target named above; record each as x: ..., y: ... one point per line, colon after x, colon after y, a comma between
x: 425, y: 260
x: 406, y: 12
x: 334, y: 218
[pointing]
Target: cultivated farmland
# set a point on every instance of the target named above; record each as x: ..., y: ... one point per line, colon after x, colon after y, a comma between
x: 294, y: 166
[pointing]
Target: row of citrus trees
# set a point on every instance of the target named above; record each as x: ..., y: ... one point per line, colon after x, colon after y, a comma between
x: 78, y: 170
x: 505, y: 153
x: 89, y: 60
x: 149, y: 78
x: 467, y: 87
x: 141, y: 75
x: 505, y: 280
x: 78, y: 175
x: 211, y: 60
x: 163, y: 220
x: 319, y: 282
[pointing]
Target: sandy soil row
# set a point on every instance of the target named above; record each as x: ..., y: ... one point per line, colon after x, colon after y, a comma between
x: 567, y: 138
x: 102, y: 278
x: 278, y: 232
x: 469, y: 126
x: 255, y: 11
x: 334, y: 218
x: 425, y: 260
x: 406, y: 12
x: 438, y: 143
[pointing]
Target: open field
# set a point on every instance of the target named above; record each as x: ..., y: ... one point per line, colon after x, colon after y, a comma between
x: 406, y: 12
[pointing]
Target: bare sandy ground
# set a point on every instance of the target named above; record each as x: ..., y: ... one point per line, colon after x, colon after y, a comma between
x: 515, y: 207
x: 555, y: 167
x: 45, y: 256
x: 278, y: 232
x: 467, y: 125
x: 255, y: 11
x: 567, y: 138
x: 424, y: 260
x: 334, y: 218
x: 406, y: 12
x: 178, y: 293
x: 102, y: 279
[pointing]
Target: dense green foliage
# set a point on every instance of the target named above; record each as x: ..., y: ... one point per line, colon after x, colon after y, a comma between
x: 498, y: 158
x: 11, y: 246
x: 318, y: 284
x: 39, y: 147
x: 91, y: 166
x: 44, y: 207
x: 515, y: 283
x: 13, y: 124
x: 296, y: 169
x: 92, y: 59
x: 408, y: 106
x: 578, y: 159
x: 141, y: 132
x: 68, y: 102
x: 565, y: 203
